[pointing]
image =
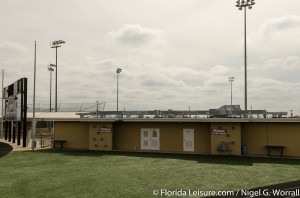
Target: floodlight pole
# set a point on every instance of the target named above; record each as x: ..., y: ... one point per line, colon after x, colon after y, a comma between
x: 51, y: 69
x: 33, y: 117
x: 2, y: 109
x: 231, y: 79
x: 56, y: 80
x: 245, y: 51
x: 245, y: 63
x: 118, y: 71
x: 245, y: 4
x: 56, y: 44
x: 97, y: 108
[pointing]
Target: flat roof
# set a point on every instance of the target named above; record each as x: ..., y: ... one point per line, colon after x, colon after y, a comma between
x: 63, y: 117
x: 74, y: 117
x: 54, y: 115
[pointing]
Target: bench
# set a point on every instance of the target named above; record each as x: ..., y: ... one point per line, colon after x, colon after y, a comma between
x: 60, y: 142
x: 273, y: 147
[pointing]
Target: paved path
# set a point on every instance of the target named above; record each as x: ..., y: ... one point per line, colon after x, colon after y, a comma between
x: 6, y: 147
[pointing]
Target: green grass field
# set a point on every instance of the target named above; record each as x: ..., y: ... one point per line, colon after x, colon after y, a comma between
x: 61, y: 173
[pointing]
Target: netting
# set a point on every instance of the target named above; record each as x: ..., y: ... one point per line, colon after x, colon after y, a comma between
x: 68, y: 107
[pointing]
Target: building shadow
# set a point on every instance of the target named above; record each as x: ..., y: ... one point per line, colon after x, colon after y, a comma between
x: 5, y: 149
x: 198, y: 158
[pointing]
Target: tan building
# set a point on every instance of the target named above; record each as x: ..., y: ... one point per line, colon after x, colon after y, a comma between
x: 216, y: 136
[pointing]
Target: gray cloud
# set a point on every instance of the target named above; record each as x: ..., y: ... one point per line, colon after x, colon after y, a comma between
x: 136, y: 35
x: 275, y: 25
x: 174, y: 54
x: 278, y: 36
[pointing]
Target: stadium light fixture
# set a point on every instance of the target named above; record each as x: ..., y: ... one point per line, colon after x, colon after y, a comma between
x: 245, y: 4
x: 56, y: 44
x: 231, y: 79
x: 118, y: 71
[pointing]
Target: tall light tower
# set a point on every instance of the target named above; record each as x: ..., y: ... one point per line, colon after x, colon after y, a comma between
x: 245, y: 4
x: 118, y: 71
x: 56, y: 44
x: 51, y: 69
x: 97, y: 109
x: 231, y: 79
x: 292, y: 113
x: 2, y: 106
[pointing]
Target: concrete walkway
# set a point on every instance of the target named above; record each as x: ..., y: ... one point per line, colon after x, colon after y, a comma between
x: 6, y: 147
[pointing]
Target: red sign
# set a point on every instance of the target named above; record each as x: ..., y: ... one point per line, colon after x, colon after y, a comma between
x: 219, y: 131
x: 105, y: 130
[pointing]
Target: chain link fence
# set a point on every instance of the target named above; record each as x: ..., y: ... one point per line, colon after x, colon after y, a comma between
x: 68, y: 107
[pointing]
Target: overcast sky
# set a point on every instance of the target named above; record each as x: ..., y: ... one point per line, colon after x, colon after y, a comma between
x: 175, y: 54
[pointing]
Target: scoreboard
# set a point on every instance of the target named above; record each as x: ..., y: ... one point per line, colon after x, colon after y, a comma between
x: 15, y: 100
x: 15, y: 115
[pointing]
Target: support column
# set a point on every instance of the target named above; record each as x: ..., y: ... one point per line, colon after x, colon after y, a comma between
x: 9, y: 130
x: 6, y: 130
x: 19, y: 133
x: 13, y: 132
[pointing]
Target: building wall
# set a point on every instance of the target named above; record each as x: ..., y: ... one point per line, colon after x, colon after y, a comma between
x: 232, y: 139
x: 75, y: 134
x: 100, y: 136
x: 257, y: 135
x: 127, y: 136
x: 287, y: 135
x: 202, y: 137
